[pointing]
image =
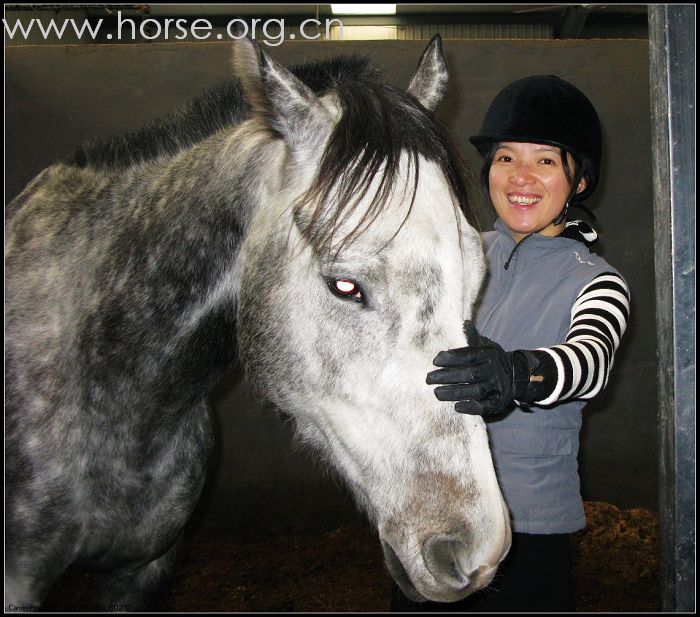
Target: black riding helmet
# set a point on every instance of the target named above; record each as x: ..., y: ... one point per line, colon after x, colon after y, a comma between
x: 546, y: 109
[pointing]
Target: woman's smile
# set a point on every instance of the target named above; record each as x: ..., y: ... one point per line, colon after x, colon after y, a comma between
x: 523, y: 201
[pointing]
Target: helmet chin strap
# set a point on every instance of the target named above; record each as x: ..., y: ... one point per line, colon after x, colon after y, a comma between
x: 562, y: 216
x: 574, y: 190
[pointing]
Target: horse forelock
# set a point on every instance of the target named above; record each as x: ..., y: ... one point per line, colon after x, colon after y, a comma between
x: 379, y: 124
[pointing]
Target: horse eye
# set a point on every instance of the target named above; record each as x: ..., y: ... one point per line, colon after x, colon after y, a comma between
x: 345, y: 288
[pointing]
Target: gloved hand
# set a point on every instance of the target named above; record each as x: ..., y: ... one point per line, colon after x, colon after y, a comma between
x: 483, y: 378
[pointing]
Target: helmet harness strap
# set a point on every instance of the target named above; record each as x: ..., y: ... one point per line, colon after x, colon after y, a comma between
x: 580, y: 173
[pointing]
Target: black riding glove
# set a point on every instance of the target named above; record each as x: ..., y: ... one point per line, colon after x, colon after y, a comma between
x: 484, y: 379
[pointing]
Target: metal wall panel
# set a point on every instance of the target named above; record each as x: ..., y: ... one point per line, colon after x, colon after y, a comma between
x: 672, y: 71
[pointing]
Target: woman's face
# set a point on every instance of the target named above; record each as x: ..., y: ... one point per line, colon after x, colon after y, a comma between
x: 528, y: 187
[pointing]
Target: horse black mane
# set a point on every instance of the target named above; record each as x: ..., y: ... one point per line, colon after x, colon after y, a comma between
x: 217, y: 108
x: 379, y: 124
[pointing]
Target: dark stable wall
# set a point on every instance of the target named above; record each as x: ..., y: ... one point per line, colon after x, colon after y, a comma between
x: 57, y: 97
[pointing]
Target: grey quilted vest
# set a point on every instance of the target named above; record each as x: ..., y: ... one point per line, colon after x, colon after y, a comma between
x: 525, y: 307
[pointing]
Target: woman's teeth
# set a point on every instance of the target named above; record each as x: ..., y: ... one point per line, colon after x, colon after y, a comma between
x: 523, y: 201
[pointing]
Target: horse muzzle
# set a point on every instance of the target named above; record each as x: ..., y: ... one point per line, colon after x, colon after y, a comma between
x: 443, y: 568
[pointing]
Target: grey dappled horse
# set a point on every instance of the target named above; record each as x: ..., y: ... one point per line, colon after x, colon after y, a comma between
x: 309, y: 221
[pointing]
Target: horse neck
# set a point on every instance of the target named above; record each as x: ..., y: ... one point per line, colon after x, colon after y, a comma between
x: 209, y: 195
x: 201, y: 203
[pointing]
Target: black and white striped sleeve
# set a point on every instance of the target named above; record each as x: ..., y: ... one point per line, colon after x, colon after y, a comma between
x: 598, y: 320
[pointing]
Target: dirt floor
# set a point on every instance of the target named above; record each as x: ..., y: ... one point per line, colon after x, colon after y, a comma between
x: 616, y: 560
x: 616, y: 569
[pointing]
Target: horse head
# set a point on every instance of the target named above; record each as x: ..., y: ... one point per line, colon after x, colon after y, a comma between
x: 359, y: 268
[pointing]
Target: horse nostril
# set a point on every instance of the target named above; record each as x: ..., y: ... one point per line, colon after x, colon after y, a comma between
x: 443, y: 556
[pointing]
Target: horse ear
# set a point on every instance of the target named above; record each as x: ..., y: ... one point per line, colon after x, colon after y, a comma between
x: 276, y: 96
x: 430, y: 81
x: 246, y: 65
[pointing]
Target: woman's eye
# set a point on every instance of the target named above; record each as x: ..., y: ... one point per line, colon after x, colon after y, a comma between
x: 345, y: 288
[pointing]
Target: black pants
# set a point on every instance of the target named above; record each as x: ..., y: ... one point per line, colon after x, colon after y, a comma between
x: 536, y: 576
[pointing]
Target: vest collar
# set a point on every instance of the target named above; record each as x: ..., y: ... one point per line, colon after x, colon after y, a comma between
x: 575, y: 231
